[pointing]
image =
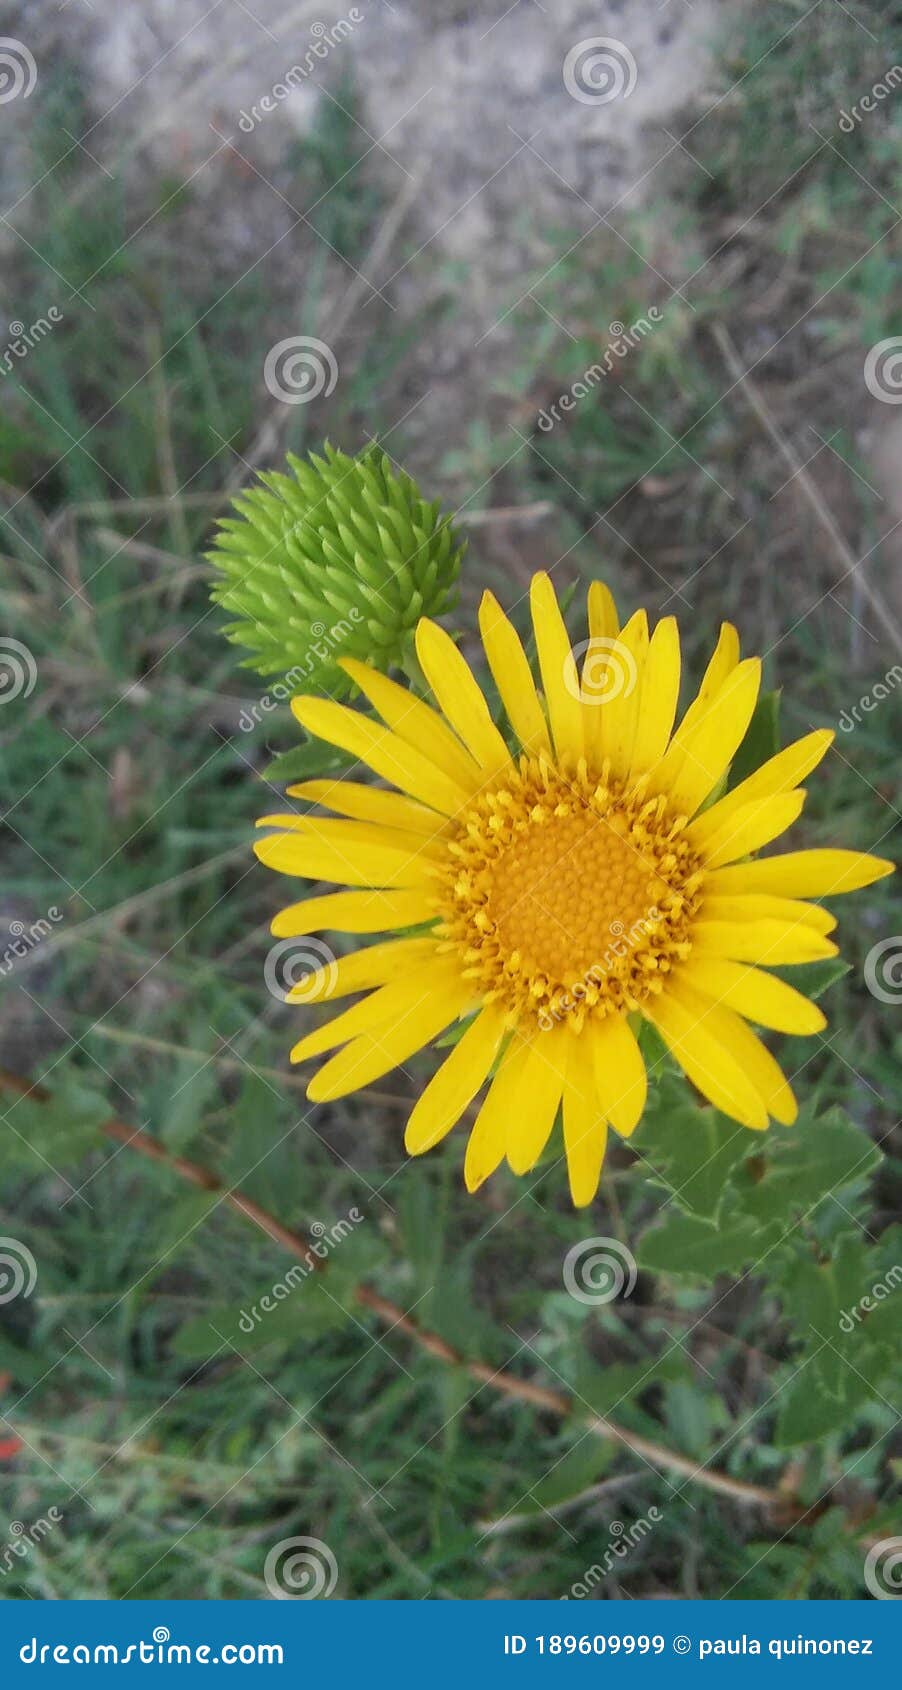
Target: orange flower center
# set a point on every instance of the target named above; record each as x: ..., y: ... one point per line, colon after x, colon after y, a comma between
x: 568, y: 896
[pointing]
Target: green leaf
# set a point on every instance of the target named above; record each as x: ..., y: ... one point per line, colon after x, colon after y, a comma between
x: 42, y: 1138
x: 762, y: 738
x: 608, y: 1388
x: 306, y: 762
x: 690, y: 1151
x: 580, y: 1468
x: 286, y: 1310
x: 813, y: 979
x: 688, y: 1244
x: 801, y: 1165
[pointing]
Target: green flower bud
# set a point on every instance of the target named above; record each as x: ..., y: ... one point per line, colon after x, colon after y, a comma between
x: 338, y: 559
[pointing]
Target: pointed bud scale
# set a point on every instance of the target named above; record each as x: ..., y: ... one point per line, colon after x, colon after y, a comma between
x: 339, y: 558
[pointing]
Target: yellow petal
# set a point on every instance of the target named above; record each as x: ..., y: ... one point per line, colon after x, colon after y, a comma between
x: 758, y: 996
x: 770, y: 942
x: 752, y: 826
x: 370, y: 1056
x: 745, y: 1047
x: 560, y: 681
x: 660, y: 694
x: 702, y: 753
x: 488, y: 1140
x: 356, y: 972
x: 355, y: 836
x: 723, y: 661
x: 455, y: 1085
x: 460, y: 698
x: 513, y: 677
x: 385, y: 752
x: 760, y: 906
x: 603, y: 621
x: 802, y: 874
x: 534, y: 1082
x: 353, y: 912
x: 779, y: 774
x: 618, y: 716
x: 385, y: 1007
x: 312, y: 857
x: 414, y: 722
x: 619, y: 1072
x: 370, y: 804
x: 707, y: 1062
x: 585, y: 1128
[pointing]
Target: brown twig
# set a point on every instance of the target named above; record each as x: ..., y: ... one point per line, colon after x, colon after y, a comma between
x: 539, y: 1396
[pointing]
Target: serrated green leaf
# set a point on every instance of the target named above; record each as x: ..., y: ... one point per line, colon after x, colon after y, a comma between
x: 802, y: 1165
x: 688, y: 1244
x: 690, y: 1151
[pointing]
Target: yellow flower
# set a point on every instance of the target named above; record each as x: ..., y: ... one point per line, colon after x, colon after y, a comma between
x: 556, y: 895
